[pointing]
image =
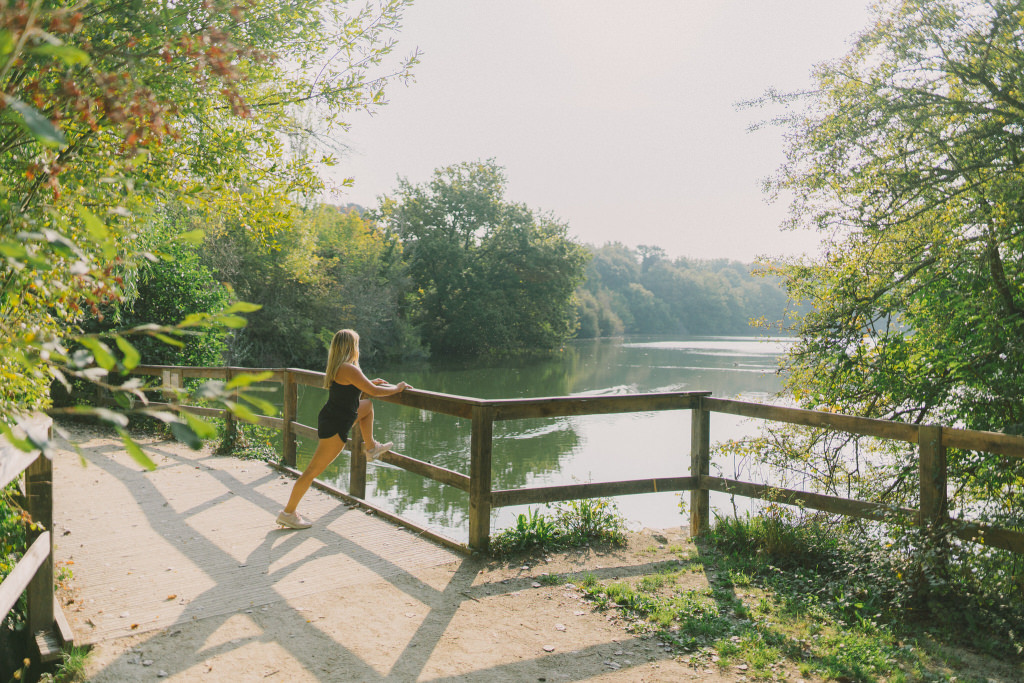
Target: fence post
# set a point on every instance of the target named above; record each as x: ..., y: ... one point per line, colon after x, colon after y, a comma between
x: 230, y: 440
x: 39, y: 495
x: 357, y: 464
x: 932, y: 467
x: 291, y: 398
x: 480, y: 478
x: 700, y: 466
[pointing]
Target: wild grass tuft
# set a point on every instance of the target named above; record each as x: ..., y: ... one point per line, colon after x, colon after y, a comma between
x: 573, y: 524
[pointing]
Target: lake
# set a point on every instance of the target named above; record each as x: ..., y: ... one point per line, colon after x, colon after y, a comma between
x: 552, y: 451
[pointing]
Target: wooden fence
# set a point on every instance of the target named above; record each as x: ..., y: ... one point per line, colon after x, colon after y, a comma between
x: 34, y: 572
x: 932, y: 441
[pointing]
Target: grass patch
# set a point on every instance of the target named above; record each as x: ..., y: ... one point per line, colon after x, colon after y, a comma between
x: 573, y: 524
x: 788, y: 598
x: 72, y: 667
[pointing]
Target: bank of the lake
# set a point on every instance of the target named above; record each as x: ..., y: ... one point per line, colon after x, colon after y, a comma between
x: 545, y: 452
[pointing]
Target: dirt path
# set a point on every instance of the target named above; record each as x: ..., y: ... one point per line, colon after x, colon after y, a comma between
x: 354, y: 613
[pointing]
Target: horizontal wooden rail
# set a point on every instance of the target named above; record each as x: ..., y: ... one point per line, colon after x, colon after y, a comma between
x: 967, y: 439
x: 305, y: 430
x: 18, y: 580
x: 308, y: 378
x: 428, y: 470
x: 565, y: 406
x: 550, y: 494
x: 195, y: 410
x: 864, y: 426
x: 12, y: 463
x: 816, y: 501
x: 446, y: 404
x: 993, y: 442
x: 1006, y: 539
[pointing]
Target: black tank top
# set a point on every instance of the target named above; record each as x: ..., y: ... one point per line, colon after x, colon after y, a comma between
x: 343, y: 398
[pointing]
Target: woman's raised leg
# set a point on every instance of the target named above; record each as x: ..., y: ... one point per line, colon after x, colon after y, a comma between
x: 364, y: 418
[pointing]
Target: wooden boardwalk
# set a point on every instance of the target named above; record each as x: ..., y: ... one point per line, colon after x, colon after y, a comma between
x: 196, y: 538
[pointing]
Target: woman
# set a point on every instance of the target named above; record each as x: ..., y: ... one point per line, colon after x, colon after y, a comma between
x: 345, y: 382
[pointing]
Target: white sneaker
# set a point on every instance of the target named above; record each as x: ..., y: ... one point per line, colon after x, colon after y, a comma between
x: 379, y: 450
x: 292, y: 520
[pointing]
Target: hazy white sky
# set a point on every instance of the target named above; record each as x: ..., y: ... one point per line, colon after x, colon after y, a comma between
x: 618, y: 117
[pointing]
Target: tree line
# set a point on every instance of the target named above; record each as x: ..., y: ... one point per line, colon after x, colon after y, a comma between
x: 446, y: 268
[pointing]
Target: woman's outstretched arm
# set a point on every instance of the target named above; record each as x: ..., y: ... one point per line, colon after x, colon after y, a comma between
x: 350, y: 374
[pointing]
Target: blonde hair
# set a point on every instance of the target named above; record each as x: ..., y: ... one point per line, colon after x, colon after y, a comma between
x: 344, y: 349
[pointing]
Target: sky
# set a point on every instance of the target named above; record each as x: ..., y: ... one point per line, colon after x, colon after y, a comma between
x: 618, y: 117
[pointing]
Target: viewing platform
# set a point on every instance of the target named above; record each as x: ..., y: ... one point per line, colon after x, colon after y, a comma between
x: 181, y: 574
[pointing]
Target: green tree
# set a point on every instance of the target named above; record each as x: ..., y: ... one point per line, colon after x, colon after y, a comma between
x: 323, y: 269
x: 488, y: 275
x: 907, y: 158
x: 111, y: 111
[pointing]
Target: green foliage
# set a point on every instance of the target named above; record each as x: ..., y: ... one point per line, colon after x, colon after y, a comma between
x: 14, y: 527
x: 789, y: 592
x: 640, y: 291
x: 865, y: 579
x: 254, y: 442
x: 905, y: 158
x: 575, y: 523
x: 590, y: 520
x: 114, y: 118
x: 533, y: 531
x: 326, y: 269
x: 170, y: 289
x: 488, y: 276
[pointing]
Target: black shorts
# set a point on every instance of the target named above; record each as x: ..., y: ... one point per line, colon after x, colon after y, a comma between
x: 330, y: 422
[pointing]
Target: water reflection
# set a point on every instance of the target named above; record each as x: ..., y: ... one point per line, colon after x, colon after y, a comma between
x: 544, y: 452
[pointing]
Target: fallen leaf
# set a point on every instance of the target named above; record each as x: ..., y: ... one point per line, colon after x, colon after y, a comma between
x: 172, y: 596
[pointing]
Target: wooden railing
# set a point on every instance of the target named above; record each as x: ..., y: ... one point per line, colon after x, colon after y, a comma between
x: 33, y: 574
x: 932, y: 443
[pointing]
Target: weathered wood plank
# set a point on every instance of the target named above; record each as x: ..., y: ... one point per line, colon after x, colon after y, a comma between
x: 550, y: 494
x: 291, y: 399
x: 932, y: 474
x: 305, y: 430
x: 64, y: 632
x: 813, y: 418
x: 700, y: 467
x: 13, y: 462
x: 446, y: 404
x: 267, y: 421
x: 815, y: 501
x: 562, y: 406
x: 357, y: 464
x: 983, y: 534
x: 206, y: 412
x: 428, y: 470
x: 48, y: 646
x: 993, y: 442
x: 195, y: 410
x: 480, y: 478
x: 39, y: 495
x: 15, y: 583
x: 308, y: 378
